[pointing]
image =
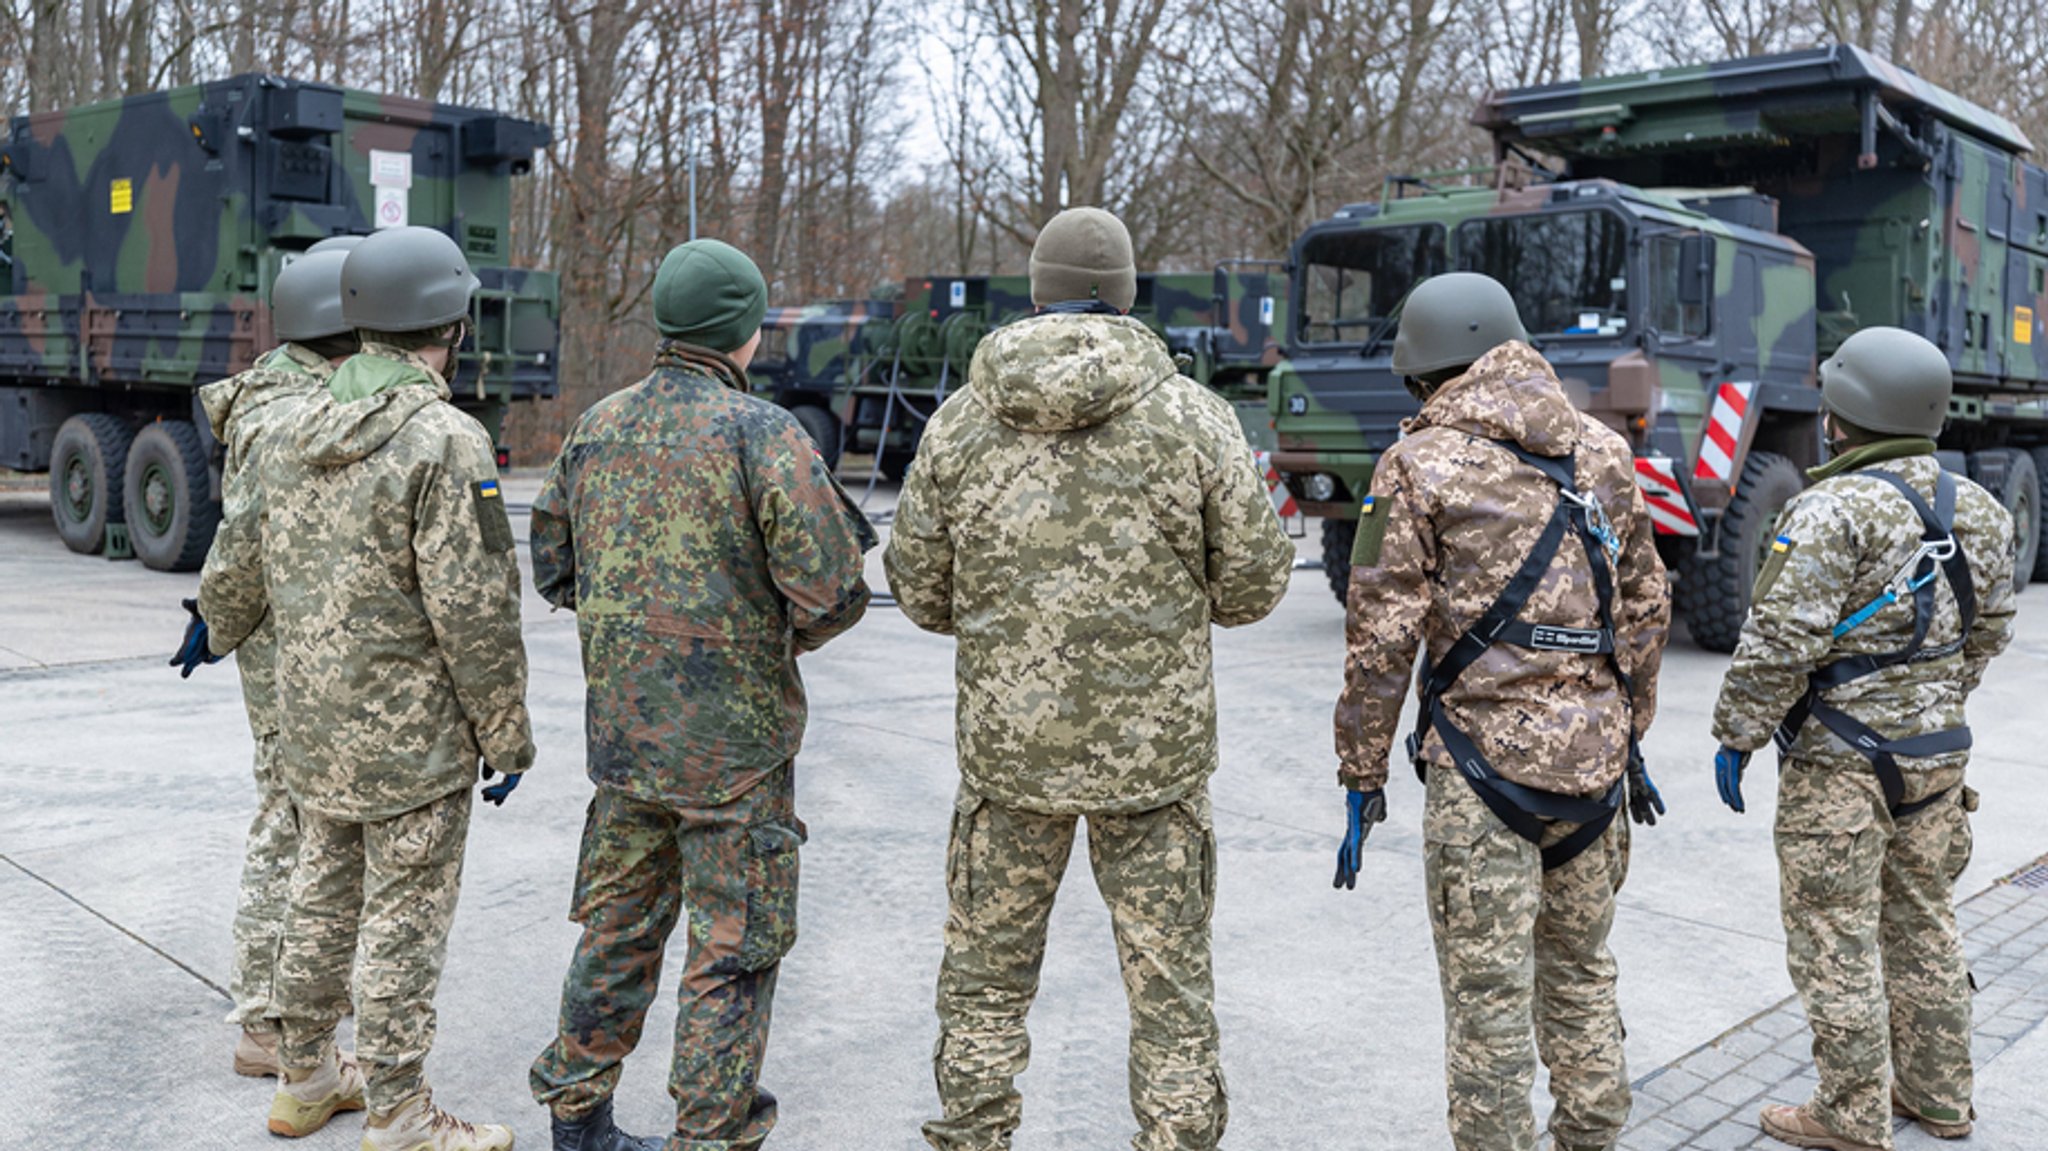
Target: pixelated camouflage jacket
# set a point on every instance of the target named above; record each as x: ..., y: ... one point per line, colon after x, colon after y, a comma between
x: 1459, y: 515
x: 702, y: 544
x: 244, y: 410
x: 1077, y: 518
x: 1840, y: 541
x: 384, y: 553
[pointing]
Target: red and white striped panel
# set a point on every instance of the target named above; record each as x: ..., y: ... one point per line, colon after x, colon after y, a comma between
x: 1283, y: 500
x: 1657, y: 479
x: 1724, y: 431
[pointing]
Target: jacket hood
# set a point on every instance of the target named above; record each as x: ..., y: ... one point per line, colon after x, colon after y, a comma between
x: 1510, y: 394
x: 334, y: 433
x: 245, y: 392
x: 1058, y: 373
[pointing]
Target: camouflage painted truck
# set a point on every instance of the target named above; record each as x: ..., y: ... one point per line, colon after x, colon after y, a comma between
x: 143, y: 236
x: 863, y: 376
x: 1683, y: 245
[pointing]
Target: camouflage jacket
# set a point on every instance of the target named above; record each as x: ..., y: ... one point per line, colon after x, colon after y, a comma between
x: 244, y: 411
x: 1454, y: 516
x: 383, y: 551
x: 1838, y: 544
x: 702, y: 544
x: 1078, y: 517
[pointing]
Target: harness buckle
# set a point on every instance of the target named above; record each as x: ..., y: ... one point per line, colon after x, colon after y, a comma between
x: 1596, y: 521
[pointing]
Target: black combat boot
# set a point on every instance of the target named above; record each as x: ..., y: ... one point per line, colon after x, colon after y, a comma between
x: 597, y: 1132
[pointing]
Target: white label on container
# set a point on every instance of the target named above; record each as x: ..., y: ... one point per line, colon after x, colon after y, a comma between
x: 1266, y: 310
x: 390, y: 169
x: 959, y: 294
x: 391, y: 207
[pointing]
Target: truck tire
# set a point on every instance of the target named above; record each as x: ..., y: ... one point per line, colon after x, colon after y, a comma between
x: 171, y: 515
x: 87, y: 464
x: 2039, y: 458
x: 2017, y: 483
x: 823, y: 429
x: 1338, y: 536
x: 1713, y: 592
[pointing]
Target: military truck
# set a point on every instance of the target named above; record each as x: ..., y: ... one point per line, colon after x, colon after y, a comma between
x: 1683, y: 245
x: 863, y: 376
x: 143, y: 235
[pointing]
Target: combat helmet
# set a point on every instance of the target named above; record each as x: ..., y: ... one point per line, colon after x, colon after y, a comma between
x: 305, y: 302
x: 405, y: 280
x: 1888, y: 380
x: 342, y: 243
x: 1451, y: 320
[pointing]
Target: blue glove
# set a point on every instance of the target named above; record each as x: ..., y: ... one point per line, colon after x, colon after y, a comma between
x: 1645, y: 802
x: 1728, y: 765
x: 497, y: 792
x: 192, y: 651
x: 1362, y: 810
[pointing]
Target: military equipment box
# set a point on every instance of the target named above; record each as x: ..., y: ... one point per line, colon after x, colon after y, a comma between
x: 1684, y: 244
x: 143, y: 236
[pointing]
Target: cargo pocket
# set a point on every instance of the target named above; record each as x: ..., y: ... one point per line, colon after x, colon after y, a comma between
x: 1196, y: 828
x: 771, y: 894
x: 1827, y: 868
x: 960, y: 852
x: 1962, y: 840
x: 430, y: 835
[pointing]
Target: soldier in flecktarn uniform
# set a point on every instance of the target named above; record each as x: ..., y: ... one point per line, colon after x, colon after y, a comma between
x: 704, y: 546
x: 1886, y: 592
x: 1078, y: 519
x: 1505, y: 539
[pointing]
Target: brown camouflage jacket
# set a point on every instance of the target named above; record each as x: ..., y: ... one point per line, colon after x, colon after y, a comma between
x: 383, y: 551
x: 245, y: 410
x: 1455, y: 516
x: 1837, y: 545
x: 1078, y: 518
x: 702, y: 544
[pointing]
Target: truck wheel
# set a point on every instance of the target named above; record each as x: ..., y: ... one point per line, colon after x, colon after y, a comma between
x: 2019, y: 489
x: 86, y: 465
x: 1713, y: 593
x: 1338, y: 536
x: 823, y: 430
x: 170, y: 515
x: 2039, y: 458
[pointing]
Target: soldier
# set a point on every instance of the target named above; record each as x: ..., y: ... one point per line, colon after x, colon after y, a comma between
x: 1505, y: 536
x: 245, y: 411
x: 1078, y: 519
x: 378, y: 541
x: 692, y: 613
x: 1888, y: 589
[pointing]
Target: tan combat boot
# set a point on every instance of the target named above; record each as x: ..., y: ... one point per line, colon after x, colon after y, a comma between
x: 1945, y: 1126
x: 1797, y: 1126
x: 256, y: 1054
x: 306, y: 1101
x: 418, y: 1125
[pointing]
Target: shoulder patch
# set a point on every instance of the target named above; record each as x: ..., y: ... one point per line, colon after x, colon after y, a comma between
x: 493, y: 523
x: 1774, y: 562
x: 1372, y: 530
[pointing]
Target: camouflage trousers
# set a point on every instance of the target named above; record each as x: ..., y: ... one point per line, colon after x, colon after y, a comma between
x: 733, y: 868
x: 381, y: 894
x: 1872, y: 945
x: 1522, y: 950
x: 272, y: 849
x: 1157, y: 872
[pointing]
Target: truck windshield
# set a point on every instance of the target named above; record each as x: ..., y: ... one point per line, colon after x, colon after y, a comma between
x: 1350, y: 281
x: 1568, y: 271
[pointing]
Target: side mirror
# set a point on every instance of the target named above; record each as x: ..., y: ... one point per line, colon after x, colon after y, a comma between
x: 1695, y: 270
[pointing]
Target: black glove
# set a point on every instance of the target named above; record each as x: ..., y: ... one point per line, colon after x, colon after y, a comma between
x: 1645, y: 802
x: 1362, y: 809
x: 193, y: 650
x: 499, y: 791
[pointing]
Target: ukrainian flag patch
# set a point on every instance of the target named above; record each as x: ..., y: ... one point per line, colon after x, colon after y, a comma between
x: 1782, y: 544
x: 493, y: 524
x: 488, y: 489
x: 1365, y: 509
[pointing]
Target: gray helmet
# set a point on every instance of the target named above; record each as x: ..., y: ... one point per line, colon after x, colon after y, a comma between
x: 305, y: 302
x: 1451, y: 320
x: 405, y: 280
x: 335, y: 244
x: 1888, y: 380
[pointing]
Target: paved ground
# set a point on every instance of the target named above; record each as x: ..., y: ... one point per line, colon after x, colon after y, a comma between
x: 124, y: 795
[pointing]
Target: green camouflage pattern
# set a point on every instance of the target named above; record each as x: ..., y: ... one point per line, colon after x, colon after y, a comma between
x: 692, y: 613
x: 1156, y: 870
x: 734, y: 868
x: 376, y: 896
x: 378, y: 541
x: 1078, y: 520
x: 244, y: 411
x: 1459, y: 516
x: 1520, y: 950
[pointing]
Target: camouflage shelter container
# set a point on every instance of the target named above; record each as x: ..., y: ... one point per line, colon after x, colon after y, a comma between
x: 1745, y: 217
x: 144, y: 236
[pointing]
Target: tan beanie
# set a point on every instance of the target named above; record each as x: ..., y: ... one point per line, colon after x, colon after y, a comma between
x: 1084, y: 254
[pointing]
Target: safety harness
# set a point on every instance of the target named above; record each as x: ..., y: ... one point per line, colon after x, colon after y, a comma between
x: 1525, y: 809
x: 1939, y: 552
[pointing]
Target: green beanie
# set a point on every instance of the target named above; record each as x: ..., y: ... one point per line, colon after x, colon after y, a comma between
x: 709, y: 294
x: 1084, y: 254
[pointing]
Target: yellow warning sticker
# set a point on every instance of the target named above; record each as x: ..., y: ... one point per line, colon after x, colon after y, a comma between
x: 121, y: 197
x: 2023, y: 325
